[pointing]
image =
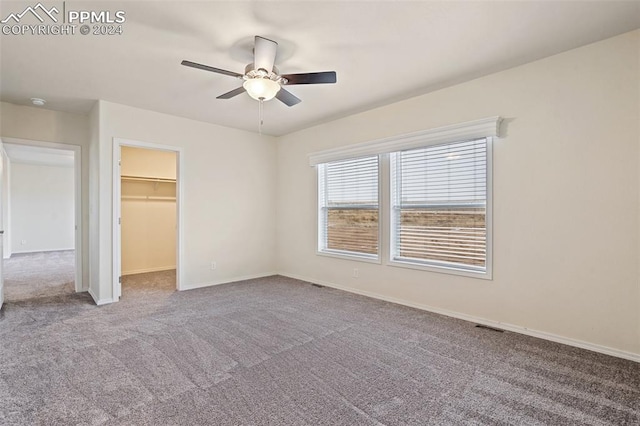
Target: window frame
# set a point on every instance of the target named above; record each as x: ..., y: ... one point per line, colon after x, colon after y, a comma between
x: 344, y: 254
x: 433, y: 266
x: 487, y: 128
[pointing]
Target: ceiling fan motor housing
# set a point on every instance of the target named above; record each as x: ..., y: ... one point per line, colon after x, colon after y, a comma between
x: 250, y: 72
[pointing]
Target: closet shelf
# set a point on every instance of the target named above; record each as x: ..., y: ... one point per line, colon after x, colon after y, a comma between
x: 148, y: 197
x: 147, y: 179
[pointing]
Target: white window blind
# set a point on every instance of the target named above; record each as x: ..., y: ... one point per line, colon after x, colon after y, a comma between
x: 348, y: 207
x: 439, y: 205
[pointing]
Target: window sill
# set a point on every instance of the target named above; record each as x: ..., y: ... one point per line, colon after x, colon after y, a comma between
x: 347, y: 256
x: 483, y: 275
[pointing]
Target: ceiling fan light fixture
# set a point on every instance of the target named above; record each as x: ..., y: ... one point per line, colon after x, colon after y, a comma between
x: 261, y: 88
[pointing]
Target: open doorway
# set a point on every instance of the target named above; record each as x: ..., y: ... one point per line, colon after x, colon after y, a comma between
x: 42, y: 215
x: 146, y: 211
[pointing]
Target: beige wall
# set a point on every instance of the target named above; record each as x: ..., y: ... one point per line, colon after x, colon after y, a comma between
x: 148, y: 163
x: 228, y: 193
x: 38, y: 124
x: 148, y: 211
x: 42, y: 203
x: 566, y: 208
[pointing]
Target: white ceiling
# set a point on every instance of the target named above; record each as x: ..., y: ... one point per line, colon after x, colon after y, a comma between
x: 39, y: 155
x: 382, y: 52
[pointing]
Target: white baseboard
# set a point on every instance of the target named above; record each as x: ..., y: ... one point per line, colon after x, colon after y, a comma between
x: 97, y: 301
x: 41, y: 251
x: 496, y: 324
x: 226, y: 281
x: 144, y: 271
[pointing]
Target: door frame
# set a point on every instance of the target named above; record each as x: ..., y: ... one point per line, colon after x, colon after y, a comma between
x: 3, y: 196
x: 117, y: 210
x: 77, y: 178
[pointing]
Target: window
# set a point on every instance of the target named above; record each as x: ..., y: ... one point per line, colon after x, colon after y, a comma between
x: 439, y: 206
x: 348, y: 211
x: 436, y: 199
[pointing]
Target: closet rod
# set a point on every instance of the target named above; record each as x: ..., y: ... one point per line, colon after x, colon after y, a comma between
x: 147, y: 179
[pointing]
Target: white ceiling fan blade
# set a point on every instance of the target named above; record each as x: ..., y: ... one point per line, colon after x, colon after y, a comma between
x: 264, y: 54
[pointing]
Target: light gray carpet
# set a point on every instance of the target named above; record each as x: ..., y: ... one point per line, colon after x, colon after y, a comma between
x: 278, y: 351
x: 43, y: 274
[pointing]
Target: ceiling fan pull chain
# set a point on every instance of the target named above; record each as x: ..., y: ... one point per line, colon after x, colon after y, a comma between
x: 260, y: 115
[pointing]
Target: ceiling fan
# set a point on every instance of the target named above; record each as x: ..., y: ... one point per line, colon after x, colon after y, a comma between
x: 262, y: 80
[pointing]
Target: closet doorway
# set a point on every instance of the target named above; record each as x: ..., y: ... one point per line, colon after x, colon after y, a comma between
x: 146, y: 209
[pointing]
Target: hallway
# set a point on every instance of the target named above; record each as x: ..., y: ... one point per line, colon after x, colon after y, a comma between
x: 41, y: 274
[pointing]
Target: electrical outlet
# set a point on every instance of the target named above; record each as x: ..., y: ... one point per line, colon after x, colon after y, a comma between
x: 355, y: 273
x: 23, y: 242
x: 213, y: 266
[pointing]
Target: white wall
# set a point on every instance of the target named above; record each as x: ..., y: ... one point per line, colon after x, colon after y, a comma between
x: 6, y: 214
x: 39, y: 124
x: 229, y: 182
x: 148, y: 211
x: 566, y: 206
x: 42, y: 207
x: 94, y: 201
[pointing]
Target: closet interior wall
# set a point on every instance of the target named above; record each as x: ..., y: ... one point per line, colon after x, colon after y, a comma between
x: 148, y: 210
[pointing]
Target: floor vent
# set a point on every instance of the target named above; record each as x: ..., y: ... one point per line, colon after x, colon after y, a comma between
x: 317, y: 285
x: 486, y: 327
